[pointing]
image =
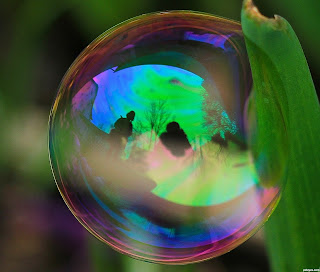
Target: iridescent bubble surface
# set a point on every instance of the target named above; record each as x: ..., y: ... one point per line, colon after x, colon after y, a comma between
x: 152, y: 139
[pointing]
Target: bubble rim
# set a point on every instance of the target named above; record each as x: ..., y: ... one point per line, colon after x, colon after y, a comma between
x: 117, y: 30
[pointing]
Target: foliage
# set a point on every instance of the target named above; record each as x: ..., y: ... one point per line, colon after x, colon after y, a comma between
x: 280, y: 71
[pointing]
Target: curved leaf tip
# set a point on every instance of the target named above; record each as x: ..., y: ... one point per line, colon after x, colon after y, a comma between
x: 252, y: 12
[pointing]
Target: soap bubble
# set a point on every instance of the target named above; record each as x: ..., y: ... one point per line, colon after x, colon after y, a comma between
x: 153, y: 139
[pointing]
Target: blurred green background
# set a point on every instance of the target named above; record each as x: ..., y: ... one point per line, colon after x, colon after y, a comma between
x: 39, y: 41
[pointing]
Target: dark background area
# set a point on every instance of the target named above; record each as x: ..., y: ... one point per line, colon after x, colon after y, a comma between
x: 39, y: 41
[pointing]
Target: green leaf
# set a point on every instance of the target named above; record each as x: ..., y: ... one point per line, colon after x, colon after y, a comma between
x: 280, y: 71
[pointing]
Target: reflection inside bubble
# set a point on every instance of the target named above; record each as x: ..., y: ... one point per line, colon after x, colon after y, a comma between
x: 161, y: 122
